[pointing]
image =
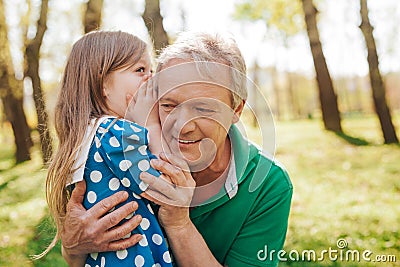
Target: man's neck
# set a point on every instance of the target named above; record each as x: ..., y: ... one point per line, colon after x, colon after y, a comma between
x: 210, y: 180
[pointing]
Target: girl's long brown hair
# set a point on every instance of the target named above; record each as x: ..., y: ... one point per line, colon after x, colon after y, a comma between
x: 80, y: 99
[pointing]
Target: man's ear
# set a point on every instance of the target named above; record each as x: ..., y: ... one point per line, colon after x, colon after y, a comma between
x: 238, y: 112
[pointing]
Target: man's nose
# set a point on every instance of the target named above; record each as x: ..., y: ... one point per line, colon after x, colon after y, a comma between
x: 184, y: 120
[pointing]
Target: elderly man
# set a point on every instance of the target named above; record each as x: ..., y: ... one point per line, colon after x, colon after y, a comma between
x: 226, y: 219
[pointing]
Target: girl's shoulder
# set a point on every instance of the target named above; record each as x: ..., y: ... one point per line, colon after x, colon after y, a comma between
x: 119, y: 124
x: 118, y: 133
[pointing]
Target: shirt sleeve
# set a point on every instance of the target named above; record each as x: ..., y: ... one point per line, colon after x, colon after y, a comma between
x: 124, y: 147
x: 263, y: 234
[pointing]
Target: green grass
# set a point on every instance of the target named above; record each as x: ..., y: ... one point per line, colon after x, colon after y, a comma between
x: 341, y: 190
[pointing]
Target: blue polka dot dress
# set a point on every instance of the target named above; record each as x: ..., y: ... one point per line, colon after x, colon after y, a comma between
x: 117, y: 156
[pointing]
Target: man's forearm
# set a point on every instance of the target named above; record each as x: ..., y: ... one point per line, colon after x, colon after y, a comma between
x: 189, y: 247
x: 73, y: 260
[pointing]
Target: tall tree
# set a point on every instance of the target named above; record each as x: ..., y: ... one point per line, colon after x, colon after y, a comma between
x: 154, y: 23
x: 11, y: 94
x: 378, y: 88
x: 327, y: 96
x: 92, y: 17
x: 283, y: 20
x: 32, y: 58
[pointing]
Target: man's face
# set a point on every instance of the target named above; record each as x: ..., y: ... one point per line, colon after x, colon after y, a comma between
x: 195, y: 114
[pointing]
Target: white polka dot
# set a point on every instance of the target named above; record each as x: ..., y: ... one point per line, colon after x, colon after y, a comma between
x: 127, y: 236
x: 142, y: 150
x: 145, y: 223
x: 134, y: 137
x: 167, y: 257
x: 129, y: 148
x: 97, y: 157
x: 97, y: 141
x: 157, y: 265
x: 87, y: 265
x: 114, y: 184
x: 143, y: 165
x: 95, y: 176
x: 91, y: 197
x: 143, y: 186
x: 150, y: 209
x: 116, y: 127
x: 94, y: 255
x: 135, y: 129
x: 157, y: 239
x: 114, y: 142
x: 129, y: 216
x: 136, y: 196
x: 143, y: 242
x: 112, y: 209
x: 139, y: 261
x: 125, y: 182
x: 125, y: 164
x: 103, y: 262
x: 101, y: 130
x: 122, y: 254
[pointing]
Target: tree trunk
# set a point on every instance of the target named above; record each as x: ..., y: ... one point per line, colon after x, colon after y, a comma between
x: 378, y: 88
x: 294, y: 103
x: 154, y: 22
x: 327, y: 96
x: 92, y: 17
x: 32, y: 55
x: 11, y: 94
x: 277, y: 94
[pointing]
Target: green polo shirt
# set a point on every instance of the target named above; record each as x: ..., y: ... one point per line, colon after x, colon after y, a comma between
x: 244, y: 226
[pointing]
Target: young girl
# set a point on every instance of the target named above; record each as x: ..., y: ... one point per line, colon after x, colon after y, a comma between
x: 104, y: 71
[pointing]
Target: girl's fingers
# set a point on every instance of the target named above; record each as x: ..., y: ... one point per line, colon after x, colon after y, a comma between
x: 174, y: 173
x: 156, y: 197
x: 175, y: 160
x: 159, y: 184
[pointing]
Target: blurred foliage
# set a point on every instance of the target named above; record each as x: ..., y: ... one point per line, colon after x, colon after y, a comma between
x: 285, y: 16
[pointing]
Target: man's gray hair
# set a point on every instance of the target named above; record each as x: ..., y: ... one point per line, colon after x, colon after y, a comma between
x: 203, y: 48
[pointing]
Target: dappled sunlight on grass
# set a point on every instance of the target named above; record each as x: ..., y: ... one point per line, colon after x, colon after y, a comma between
x: 341, y: 190
x: 23, y: 205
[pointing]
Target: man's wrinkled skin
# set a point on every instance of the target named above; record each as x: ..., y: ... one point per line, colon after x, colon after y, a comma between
x: 87, y: 224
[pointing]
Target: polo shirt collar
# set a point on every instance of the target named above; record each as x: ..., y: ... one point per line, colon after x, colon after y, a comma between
x: 239, y: 168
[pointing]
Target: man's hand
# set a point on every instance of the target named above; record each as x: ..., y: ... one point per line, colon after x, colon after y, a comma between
x: 95, y: 230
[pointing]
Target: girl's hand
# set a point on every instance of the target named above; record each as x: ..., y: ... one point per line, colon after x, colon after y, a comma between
x: 173, y: 190
x: 142, y: 108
